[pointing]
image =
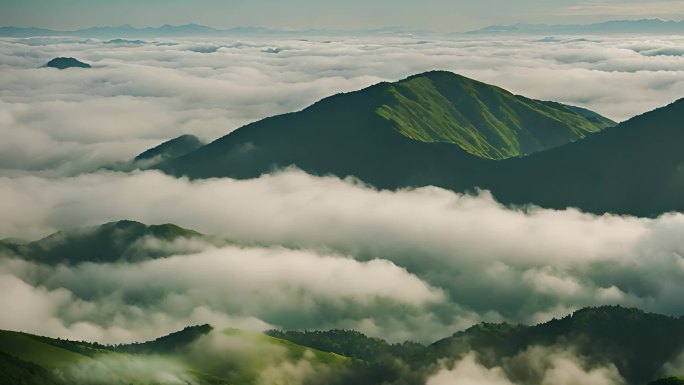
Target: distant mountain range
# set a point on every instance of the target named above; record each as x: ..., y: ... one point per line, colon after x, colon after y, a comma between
x: 643, y: 26
x: 638, y: 344
x: 167, y: 30
x: 445, y: 130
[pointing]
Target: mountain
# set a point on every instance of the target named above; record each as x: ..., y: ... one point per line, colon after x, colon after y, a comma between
x: 169, y: 343
x: 637, y: 343
x: 398, y: 133
x: 482, y: 119
x: 234, y: 357
x: 125, y: 42
x: 642, y: 26
x: 111, y: 242
x: 66, y: 62
x: 165, y: 30
x: 163, y: 152
x: 353, y: 344
x: 448, y: 131
x: 171, y: 149
x: 26, y: 32
x: 634, y: 168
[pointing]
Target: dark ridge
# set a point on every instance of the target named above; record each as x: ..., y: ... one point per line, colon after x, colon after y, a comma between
x: 169, y: 343
x: 108, y: 243
x: 66, y: 62
x: 171, y: 149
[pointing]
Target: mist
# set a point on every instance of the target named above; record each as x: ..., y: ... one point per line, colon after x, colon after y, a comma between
x: 321, y: 252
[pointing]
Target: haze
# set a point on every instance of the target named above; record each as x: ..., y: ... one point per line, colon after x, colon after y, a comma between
x: 440, y: 15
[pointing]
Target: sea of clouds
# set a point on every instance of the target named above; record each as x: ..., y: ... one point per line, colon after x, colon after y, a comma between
x: 320, y: 252
x: 140, y: 93
x: 314, y: 252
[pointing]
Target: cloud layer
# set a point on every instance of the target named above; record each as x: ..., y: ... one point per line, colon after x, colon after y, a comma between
x: 141, y: 93
x: 322, y: 253
x: 303, y: 251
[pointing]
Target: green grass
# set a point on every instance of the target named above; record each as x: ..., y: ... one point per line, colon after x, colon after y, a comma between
x: 294, y: 351
x: 15, y: 371
x: 484, y: 120
x: 241, y: 357
x: 30, y: 348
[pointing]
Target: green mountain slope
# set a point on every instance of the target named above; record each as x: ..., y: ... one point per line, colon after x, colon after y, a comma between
x: 228, y: 357
x: 19, y: 372
x: 636, y: 167
x: 169, y: 343
x: 399, y: 124
x: 111, y: 242
x: 483, y: 120
x: 637, y: 343
x: 31, y: 348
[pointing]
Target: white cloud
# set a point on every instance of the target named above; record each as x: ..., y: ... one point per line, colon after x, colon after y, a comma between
x: 121, y: 368
x: 469, y: 372
x: 315, y: 246
x: 246, y: 287
x: 540, y: 365
x: 139, y: 95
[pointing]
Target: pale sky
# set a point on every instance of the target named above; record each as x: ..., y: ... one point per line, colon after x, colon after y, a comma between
x: 439, y: 15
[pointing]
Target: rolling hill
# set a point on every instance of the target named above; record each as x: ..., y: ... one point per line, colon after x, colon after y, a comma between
x: 637, y: 343
x: 112, y: 242
x: 172, y: 359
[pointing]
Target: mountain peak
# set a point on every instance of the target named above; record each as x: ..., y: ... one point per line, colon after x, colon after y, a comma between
x: 484, y: 120
x: 66, y: 62
x: 110, y: 242
x: 431, y: 113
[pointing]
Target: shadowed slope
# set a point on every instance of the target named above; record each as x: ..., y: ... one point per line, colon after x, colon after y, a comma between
x: 111, y: 242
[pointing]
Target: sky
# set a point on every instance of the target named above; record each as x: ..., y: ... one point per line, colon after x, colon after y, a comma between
x: 438, y: 15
